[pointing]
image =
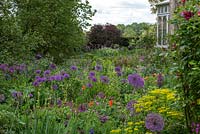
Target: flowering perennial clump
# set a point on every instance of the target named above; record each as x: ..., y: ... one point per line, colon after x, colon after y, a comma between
x: 154, y: 122
x: 136, y: 81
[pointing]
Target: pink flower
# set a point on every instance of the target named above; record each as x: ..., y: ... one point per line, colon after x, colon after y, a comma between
x: 198, y: 13
x: 183, y: 1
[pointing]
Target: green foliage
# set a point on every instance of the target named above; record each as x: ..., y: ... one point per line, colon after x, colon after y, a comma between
x: 187, y: 52
x: 52, y: 28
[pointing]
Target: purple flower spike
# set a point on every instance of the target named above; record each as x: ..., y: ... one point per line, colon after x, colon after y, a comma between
x: 136, y: 81
x: 55, y: 87
x: 47, y: 73
x: 154, y: 122
x: 89, y: 85
x: 74, y: 68
x: 91, y: 74
x: 118, y: 69
x: 104, y: 79
x: 103, y: 119
x: 38, y: 71
x: 82, y: 108
x: 98, y: 67
x: 66, y: 75
x: 52, y: 66
x: 160, y: 80
x: 91, y: 131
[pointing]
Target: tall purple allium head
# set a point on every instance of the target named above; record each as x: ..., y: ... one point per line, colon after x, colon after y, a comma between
x: 154, y: 122
x: 103, y: 118
x: 104, y: 79
x: 54, y: 87
x: 101, y: 95
x: 4, y: 67
x: 98, y: 67
x: 58, y: 77
x: 82, y: 108
x: 160, y: 80
x: 91, y: 74
x: 30, y: 95
x: 135, y: 80
x: 38, y: 56
x: 74, y: 68
x: 16, y: 94
x: 130, y: 107
x: 65, y: 75
x: 52, y: 66
x: 91, y: 131
x: 12, y: 69
x: 36, y: 83
x: 37, y: 71
x: 89, y: 85
x: 59, y: 102
x: 118, y: 69
x: 94, y: 79
x: 47, y: 73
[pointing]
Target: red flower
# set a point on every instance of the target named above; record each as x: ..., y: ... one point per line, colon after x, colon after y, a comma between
x: 183, y: 1
x: 187, y: 14
x: 110, y: 103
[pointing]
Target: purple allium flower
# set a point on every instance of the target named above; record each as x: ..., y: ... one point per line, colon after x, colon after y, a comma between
x: 160, y: 80
x: 38, y: 71
x: 52, y: 78
x: 52, y: 66
x: 38, y: 56
x: 103, y: 118
x: 16, y: 94
x: 4, y: 67
x: 82, y: 108
x: 91, y: 131
x: 119, y: 73
x: 2, y: 98
x: 36, y: 83
x: 55, y: 87
x: 135, y: 80
x: 30, y: 95
x: 154, y: 122
x: 118, y: 69
x: 89, y: 85
x: 59, y: 102
x: 98, y: 68
x: 47, y: 73
x: 104, y: 79
x: 65, y: 75
x: 94, y: 79
x: 101, y: 95
x: 130, y: 107
x: 58, y: 77
x: 12, y: 69
x: 74, y: 68
x: 91, y: 74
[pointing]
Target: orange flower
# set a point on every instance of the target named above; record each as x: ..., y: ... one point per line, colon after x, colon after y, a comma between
x: 110, y: 103
x: 91, y: 103
x: 83, y: 87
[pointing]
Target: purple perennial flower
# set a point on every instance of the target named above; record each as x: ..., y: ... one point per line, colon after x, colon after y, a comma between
x: 16, y: 94
x: 58, y: 77
x: 89, y: 85
x: 47, y: 72
x: 38, y: 71
x: 130, y: 107
x: 98, y: 68
x: 65, y: 75
x: 135, y: 80
x: 154, y: 122
x: 55, y: 87
x: 59, y: 102
x: 91, y: 74
x: 82, y: 108
x: 118, y: 69
x: 38, y: 56
x: 101, y: 95
x: 52, y: 66
x: 103, y: 118
x: 104, y: 79
x: 30, y: 95
x: 91, y: 131
x: 74, y: 68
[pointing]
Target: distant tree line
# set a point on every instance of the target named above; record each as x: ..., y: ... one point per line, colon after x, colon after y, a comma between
x: 135, y: 35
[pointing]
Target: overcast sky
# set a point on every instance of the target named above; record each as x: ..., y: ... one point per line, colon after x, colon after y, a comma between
x: 121, y: 11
